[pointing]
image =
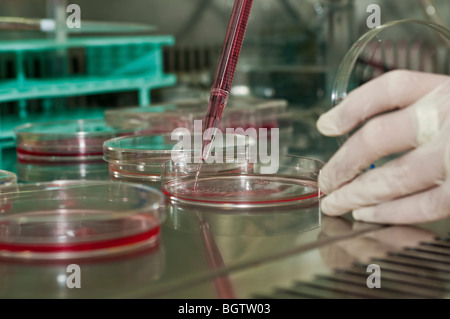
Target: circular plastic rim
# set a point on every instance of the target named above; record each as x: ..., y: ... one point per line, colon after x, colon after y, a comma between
x: 85, y: 248
x: 186, y: 111
x: 340, y: 87
x: 304, y: 199
x: 109, y: 150
x: 49, y: 151
x: 7, y: 178
x: 122, y: 165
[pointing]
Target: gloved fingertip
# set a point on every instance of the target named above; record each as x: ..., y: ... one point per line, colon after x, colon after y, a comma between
x: 327, y: 126
x: 326, y: 207
x: 365, y: 214
x: 323, y: 207
x: 323, y: 184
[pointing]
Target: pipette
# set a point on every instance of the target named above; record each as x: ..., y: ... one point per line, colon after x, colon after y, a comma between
x: 225, y: 71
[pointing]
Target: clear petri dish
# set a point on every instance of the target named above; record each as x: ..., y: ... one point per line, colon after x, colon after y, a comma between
x: 417, y: 45
x: 139, y: 158
x: 65, y: 141
x: 243, y: 112
x: 78, y: 219
x: 7, y: 178
x: 250, y: 184
x: 157, y: 118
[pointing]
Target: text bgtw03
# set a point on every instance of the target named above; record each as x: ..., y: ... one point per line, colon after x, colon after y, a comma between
x: 259, y: 150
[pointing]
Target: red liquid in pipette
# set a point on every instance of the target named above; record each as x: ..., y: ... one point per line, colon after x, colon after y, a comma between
x: 225, y: 72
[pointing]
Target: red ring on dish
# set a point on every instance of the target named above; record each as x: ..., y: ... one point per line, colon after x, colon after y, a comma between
x: 244, y: 203
x: 80, y: 247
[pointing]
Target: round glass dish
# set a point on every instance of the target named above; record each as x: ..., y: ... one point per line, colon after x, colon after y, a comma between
x: 78, y: 219
x: 139, y: 158
x: 158, y: 118
x: 64, y: 141
x: 243, y: 112
x: 417, y: 45
x: 251, y: 184
x: 7, y: 178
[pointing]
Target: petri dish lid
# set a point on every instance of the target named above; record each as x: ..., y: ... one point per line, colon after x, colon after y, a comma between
x: 65, y: 140
x: 417, y: 45
x: 77, y: 219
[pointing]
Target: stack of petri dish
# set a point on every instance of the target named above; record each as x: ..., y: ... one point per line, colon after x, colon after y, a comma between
x: 64, y: 149
x: 78, y: 219
x: 241, y: 112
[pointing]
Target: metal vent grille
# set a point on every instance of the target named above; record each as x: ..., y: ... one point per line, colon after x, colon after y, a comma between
x: 414, y: 272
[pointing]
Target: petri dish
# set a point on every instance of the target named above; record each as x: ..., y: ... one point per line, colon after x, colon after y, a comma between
x: 78, y: 219
x: 157, y: 118
x: 417, y: 45
x: 64, y: 141
x: 249, y: 185
x: 139, y: 158
x: 7, y: 178
x: 242, y: 112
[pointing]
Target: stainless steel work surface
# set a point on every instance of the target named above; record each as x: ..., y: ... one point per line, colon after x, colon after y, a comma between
x: 413, y: 262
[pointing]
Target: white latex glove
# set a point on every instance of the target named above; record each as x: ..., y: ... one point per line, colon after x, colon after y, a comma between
x: 413, y: 188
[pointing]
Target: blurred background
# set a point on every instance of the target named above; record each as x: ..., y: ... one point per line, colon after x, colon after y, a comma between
x: 291, y: 51
x: 290, y: 45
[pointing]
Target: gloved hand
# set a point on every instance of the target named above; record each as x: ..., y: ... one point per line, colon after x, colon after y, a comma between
x: 413, y: 188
